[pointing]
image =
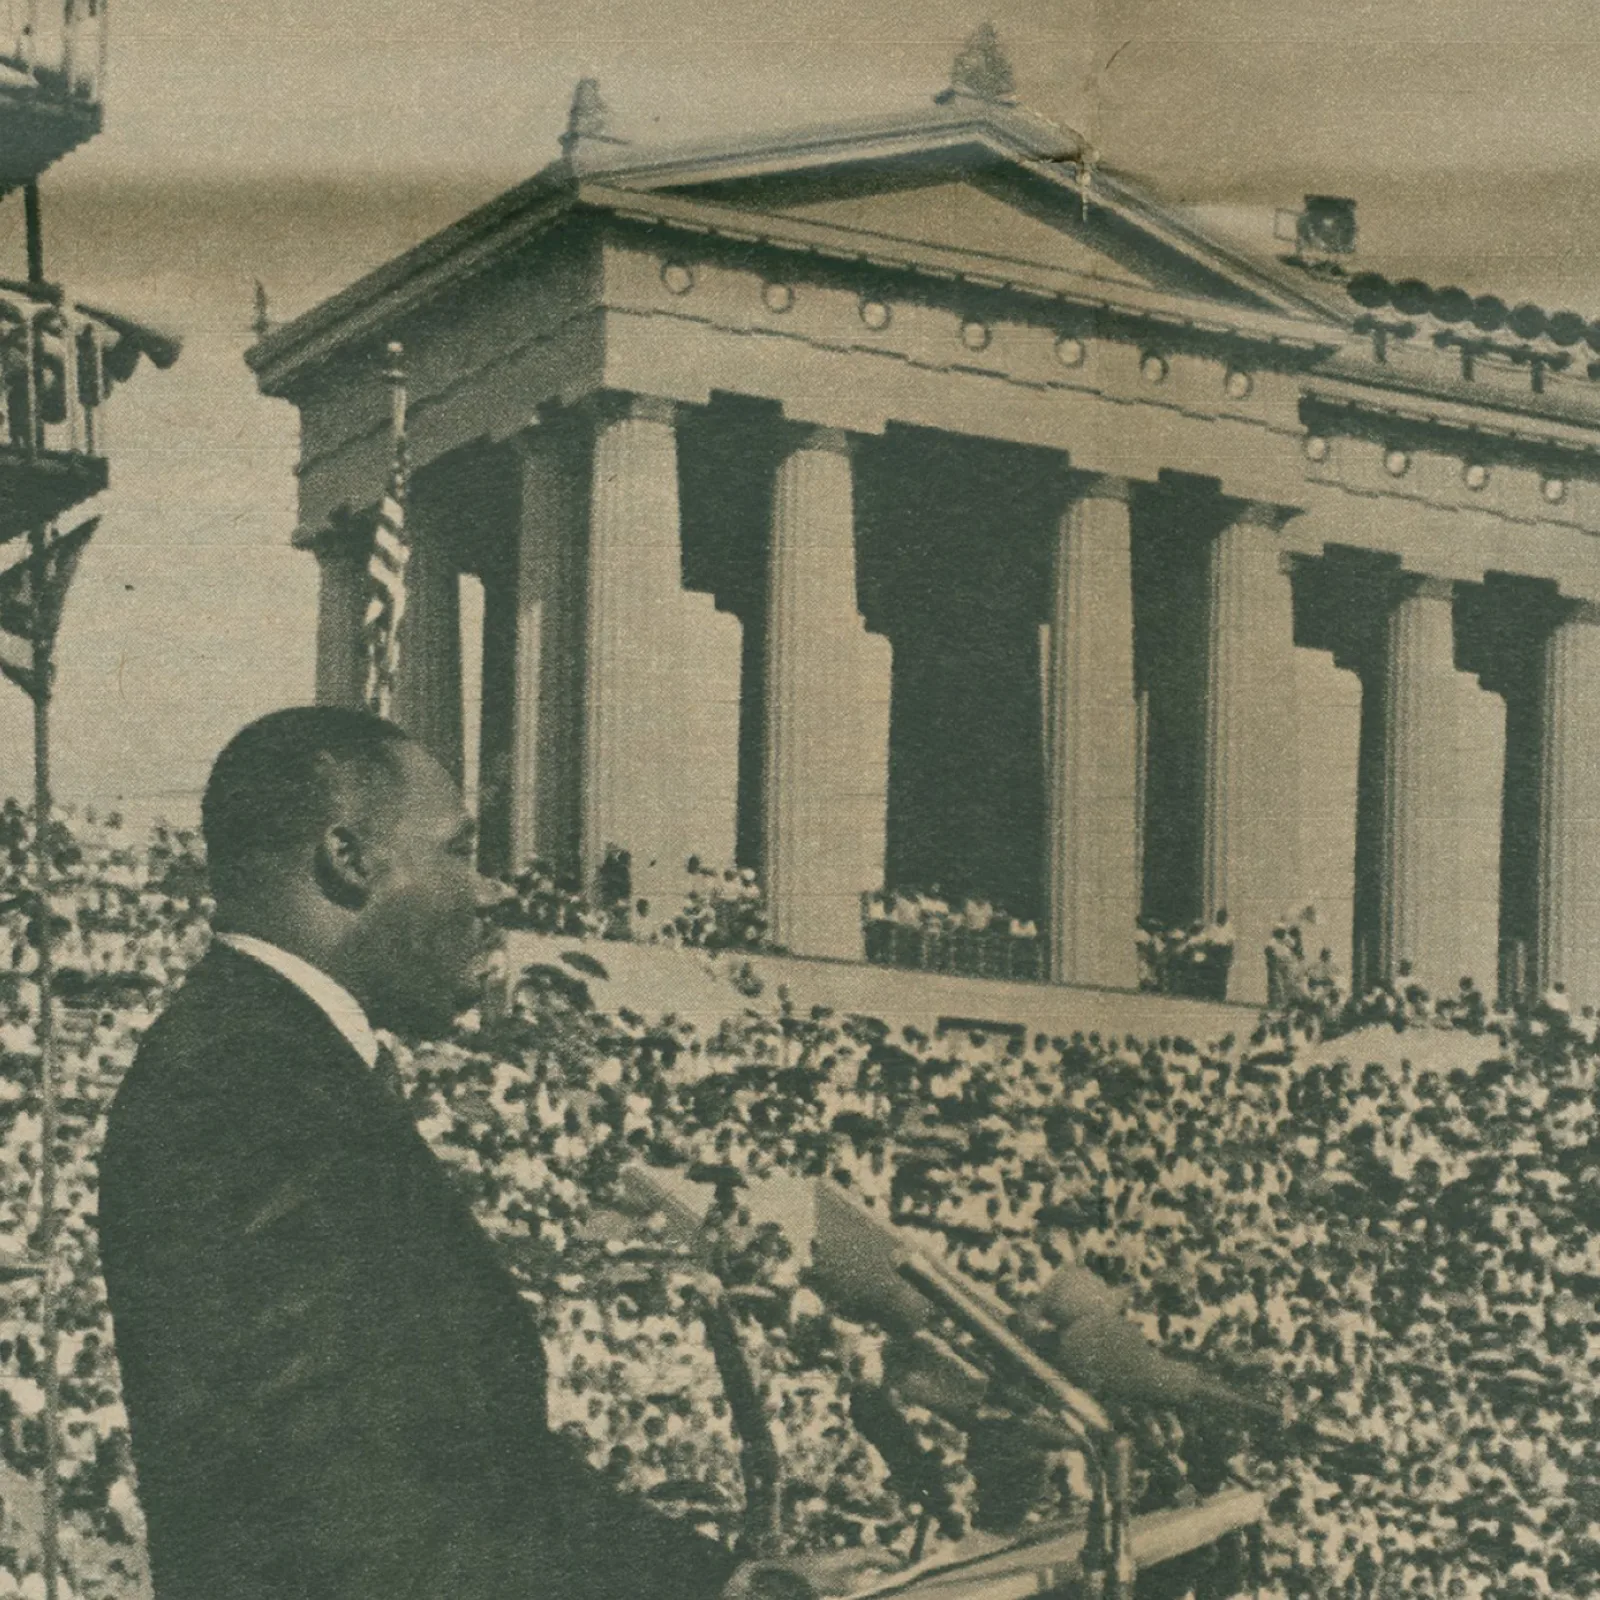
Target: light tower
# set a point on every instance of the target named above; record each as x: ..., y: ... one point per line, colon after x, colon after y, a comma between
x: 59, y: 360
x: 51, y: 75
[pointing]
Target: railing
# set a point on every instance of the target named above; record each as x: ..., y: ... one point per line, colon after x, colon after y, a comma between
x: 928, y: 934
x: 60, y: 45
x: 52, y: 376
x: 991, y: 952
x: 58, y: 362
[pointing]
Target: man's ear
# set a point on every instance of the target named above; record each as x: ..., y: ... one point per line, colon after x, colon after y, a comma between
x: 344, y: 867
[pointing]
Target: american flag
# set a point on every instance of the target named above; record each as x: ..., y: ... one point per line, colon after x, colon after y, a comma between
x: 26, y: 611
x: 386, y: 573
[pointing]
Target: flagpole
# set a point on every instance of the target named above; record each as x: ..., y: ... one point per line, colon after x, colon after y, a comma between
x: 395, y: 376
x: 50, y: 1332
x: 387, y: 562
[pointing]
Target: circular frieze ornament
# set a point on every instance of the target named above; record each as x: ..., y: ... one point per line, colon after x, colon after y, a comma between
x: 1554, y: 490
x: 975, y: 335
x: 777, y: 297
x: 875, y: 314
x: 678, y: 278
x: 1070, y: 352
x: 1154, y: 368
x: 1396, y: 463
x: 1238, y: 383
x: 1475, y: 475
x: 1317, y: 447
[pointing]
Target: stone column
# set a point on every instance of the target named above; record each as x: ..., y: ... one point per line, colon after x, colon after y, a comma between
x: 547, y: 616
x: 1480, y: 774
x: 661, y: 670
x: 427, y: 691
x: 1327, y: 794
x: 826, y: 761
x: 341, y: 601
x: 1569, y: 844
x: 1251, y: 843
x: 1091, y: 875
x: 1419, y: 910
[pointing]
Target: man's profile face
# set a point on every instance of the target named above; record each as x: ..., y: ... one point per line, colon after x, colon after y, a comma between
x: 417, y: 940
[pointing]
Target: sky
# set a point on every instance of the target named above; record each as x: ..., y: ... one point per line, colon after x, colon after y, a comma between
x: 302, y: 142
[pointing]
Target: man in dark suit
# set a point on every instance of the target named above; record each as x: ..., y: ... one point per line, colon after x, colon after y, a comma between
x: 334, y: 1389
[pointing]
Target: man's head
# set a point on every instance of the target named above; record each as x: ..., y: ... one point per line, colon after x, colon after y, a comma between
x: 333, y: 835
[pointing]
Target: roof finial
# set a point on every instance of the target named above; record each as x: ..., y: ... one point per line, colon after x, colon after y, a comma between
x: 261, y: 324
x: 981, y: 69
x: 588, y: 117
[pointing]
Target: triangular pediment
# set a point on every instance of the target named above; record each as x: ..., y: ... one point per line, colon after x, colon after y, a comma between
x: 986, y: 189
x: 961, y: 213
x: 991, y: 215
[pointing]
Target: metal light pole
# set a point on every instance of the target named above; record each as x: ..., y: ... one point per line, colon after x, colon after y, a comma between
x: 43, y: 653
x: 50, y: 1339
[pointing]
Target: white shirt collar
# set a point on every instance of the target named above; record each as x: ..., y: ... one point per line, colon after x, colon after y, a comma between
x: 341, y: 1007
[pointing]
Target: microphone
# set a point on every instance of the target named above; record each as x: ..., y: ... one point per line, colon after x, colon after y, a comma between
x: 1083, y: 1324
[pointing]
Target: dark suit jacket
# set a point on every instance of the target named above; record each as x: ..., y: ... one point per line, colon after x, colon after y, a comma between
x: 334, y: 1389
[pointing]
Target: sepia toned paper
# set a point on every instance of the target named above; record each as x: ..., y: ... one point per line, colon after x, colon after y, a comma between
x: 1100, y: 489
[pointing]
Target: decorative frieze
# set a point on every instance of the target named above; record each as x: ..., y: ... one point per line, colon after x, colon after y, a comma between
x: 1469, y: 478
x: 1036, y: 344
x: 1451, y: 456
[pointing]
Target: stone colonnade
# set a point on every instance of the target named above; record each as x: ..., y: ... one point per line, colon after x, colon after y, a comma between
x: 622, y: 721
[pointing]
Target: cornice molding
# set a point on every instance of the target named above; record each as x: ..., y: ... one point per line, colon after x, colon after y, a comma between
x: 1532, y: 428
x: 1008, y: 132
x: 373, y: 304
